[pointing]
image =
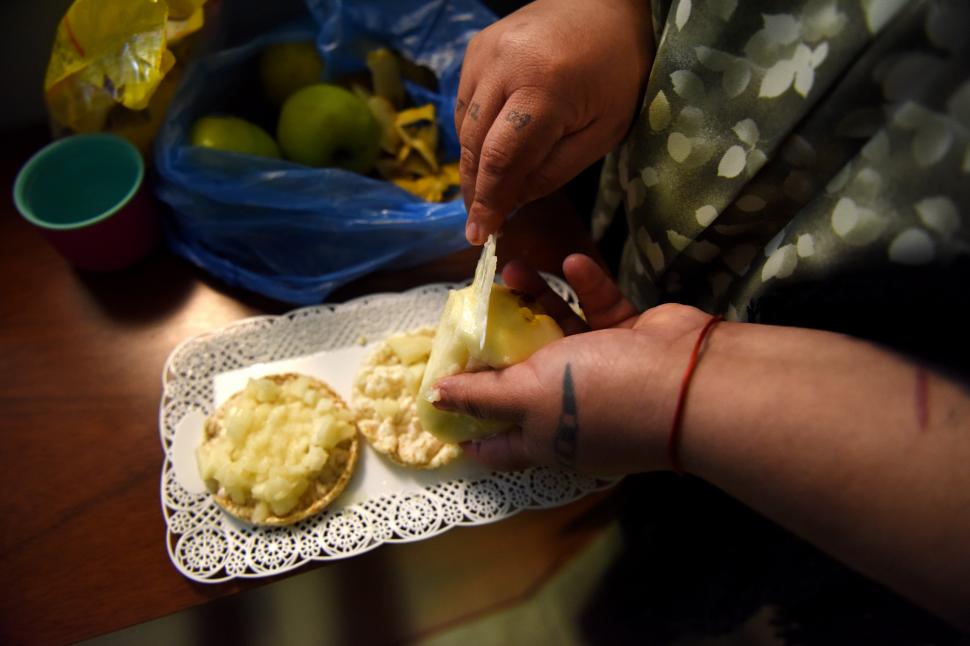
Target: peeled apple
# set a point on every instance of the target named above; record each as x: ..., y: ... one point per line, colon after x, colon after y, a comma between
x: 514, y: 330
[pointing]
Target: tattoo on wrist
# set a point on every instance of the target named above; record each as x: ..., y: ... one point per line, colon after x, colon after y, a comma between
x: 473, y: 111
x: 565, y: 439
x: 519, y: 120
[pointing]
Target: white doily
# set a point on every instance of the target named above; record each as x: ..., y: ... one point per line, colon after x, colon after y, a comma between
x: 383, y: 503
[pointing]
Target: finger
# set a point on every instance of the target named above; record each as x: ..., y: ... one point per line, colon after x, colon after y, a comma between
x: 466, y: 88
x: 474, y: 61
x: 519, y: 139
x: 502, y: 395
x: 461, y: 105
x: 568, y: 157
x: 521, y: 277
x: 483, y: 107
x: 503, y: 452
x: 602, y: 302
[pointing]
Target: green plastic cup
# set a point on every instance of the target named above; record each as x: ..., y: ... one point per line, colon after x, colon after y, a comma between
x: 87, y: 195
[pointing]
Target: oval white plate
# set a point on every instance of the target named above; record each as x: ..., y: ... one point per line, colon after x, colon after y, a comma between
x: 383, y: 503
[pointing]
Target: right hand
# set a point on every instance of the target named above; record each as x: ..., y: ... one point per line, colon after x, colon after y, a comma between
x: 544, y: 93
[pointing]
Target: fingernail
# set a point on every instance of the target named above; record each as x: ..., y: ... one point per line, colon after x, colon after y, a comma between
x: 435, y: 399
x: 473, y: 233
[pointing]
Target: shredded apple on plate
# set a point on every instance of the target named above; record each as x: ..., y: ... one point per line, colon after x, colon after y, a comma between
x: 278, y: 451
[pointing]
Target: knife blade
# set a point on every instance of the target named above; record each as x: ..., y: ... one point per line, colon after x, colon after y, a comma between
x: 482, y: 289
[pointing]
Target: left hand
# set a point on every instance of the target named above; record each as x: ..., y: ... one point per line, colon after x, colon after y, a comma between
x: 599, y: 401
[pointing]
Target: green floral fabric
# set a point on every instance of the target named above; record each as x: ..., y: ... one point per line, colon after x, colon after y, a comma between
x: 785, y: 144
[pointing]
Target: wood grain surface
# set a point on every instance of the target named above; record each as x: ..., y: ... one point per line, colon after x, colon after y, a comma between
x: 82, y: 547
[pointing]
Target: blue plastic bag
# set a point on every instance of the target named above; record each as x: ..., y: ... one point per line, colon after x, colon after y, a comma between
x: 295, y: 233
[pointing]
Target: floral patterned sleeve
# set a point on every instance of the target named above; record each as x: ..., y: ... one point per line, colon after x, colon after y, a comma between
x: 798, y: 155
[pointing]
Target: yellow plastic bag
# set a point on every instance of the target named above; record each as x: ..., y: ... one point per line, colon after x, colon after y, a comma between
x: 109, y: 59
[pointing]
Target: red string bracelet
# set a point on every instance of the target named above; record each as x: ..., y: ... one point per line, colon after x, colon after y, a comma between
x: 673, y: 440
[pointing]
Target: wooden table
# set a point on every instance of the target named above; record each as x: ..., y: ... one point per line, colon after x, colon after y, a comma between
x: 82, y: 549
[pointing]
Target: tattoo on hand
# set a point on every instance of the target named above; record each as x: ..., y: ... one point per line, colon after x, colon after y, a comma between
x: 460, y: 105
x: 565, y: 439
x: 473, y: 111
x: 519, y: 120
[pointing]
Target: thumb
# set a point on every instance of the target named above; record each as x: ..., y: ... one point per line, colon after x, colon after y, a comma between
x: 502, y: 395
x: 506, y: 451
x: 506, y: 395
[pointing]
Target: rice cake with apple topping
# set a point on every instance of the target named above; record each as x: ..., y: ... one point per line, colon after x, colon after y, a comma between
x: 384, y: 402
x: 279, y: 451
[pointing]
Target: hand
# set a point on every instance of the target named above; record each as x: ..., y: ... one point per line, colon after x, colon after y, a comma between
x: 544, y: 93
x: 600, y: 401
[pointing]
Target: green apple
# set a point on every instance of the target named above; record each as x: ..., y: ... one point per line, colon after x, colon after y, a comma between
x: 326, y: 125
x: 234, y: 135
x: 285, y: 68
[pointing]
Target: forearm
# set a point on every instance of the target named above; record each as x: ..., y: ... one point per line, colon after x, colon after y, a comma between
x: 848, y: 445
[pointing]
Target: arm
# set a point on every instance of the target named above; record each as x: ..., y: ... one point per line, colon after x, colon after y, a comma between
x: 848, y: 445
x: 543, y: 94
